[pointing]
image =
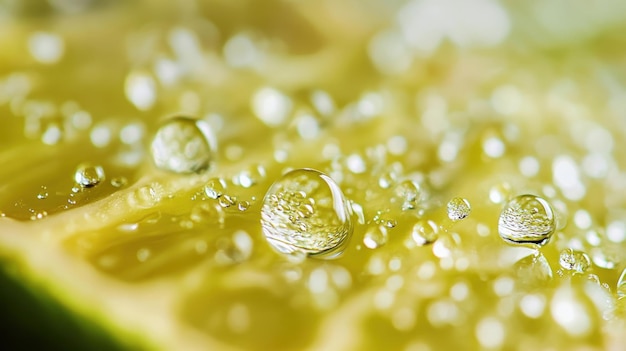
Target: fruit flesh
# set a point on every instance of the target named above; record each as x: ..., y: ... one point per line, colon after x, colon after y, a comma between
x: 151, y: 260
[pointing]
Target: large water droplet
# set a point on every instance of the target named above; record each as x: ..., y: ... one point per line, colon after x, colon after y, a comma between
x: 458, y: 209
x: 306, y: 212
x: 527, y: 219
x: 184, y: 145
x: 88, y: 176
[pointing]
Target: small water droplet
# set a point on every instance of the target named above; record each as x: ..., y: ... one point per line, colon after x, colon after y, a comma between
x: 575, y: 261
x: 146, y: 196
x: 184, y: 145
x: 119, y: 182
x: 215, y: 188
x: 226, y: 201
x: 43, y: 194
x: 210, y: 212
x: 375, y: 237
x: 425, y: 232
x: 527, y: 219
x: 243, y: 206
x: 408, y: 192
x: 458, y: 209
x: 143, y: 254
x: 322, y: 231
x: 88, y: 176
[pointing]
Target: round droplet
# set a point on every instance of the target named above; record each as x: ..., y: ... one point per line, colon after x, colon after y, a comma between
x: 575, y: 261
x: 375, y: 237
x: 425, y: 232
x: 88, y: 176
x: 215, y: 188
x: 458, y: 209
x: 306, y: 212
x: 527, y: 219
x: 243, y: 206
x: 408, y: 192
x: 119, y: 182
x: 43, y: 194
x: 184, y: 145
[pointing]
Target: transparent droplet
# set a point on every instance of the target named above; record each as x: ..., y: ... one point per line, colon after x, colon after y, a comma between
x: 226, y: 201
x: 119, y: 182
x: 458, y: 209
x: 215, y: 188
x: 575, y: 261
x: 375, y: 237
x: 43, y: 194
x: 527, y: 219
x: 425, y: 232
x: 184, y: 145
x: 88, y: 176
x: 408, y: 192
x: 243, y: 206
x: 305, y: 211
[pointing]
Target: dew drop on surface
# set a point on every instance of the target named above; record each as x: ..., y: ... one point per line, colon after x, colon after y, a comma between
x: 575, y: 261
x: 527, y: 219
x: 425, y: 232
x: 458, y: 209
x: 43, y: 194
x: 375, y: 237
x: 184, y: 145
x: 408, y: 192
x: 215, y: 188
x: 305, y: 212
x: 119, y: 182
x: 243, y: 206
x: 88, y: 176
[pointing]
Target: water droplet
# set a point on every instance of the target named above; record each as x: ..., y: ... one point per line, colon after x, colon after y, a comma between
x: 458, y: 209
x: 243, y: 206
x: 575, y: 261
x: 143, y: 254
x: 305, y: 211
x: 184, y: 145
x: 119, y: 182
x: 375, y: 237
x: 527, y: 219
x: 88, y: 176
x: 425, y: 232
x: 43, y: 194
x: 409, y: 192
x: 215, y: 188
x: 226, y: 201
